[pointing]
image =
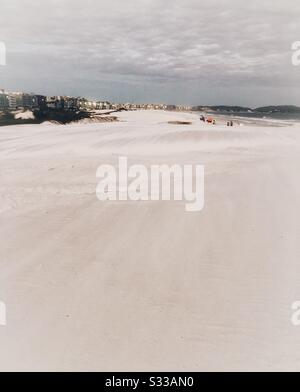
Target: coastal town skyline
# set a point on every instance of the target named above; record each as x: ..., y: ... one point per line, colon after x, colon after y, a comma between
x: 12, y: 100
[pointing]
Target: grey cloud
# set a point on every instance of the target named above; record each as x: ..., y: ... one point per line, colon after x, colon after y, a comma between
x: 153, y: 50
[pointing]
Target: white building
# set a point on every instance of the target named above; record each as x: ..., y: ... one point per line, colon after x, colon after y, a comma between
x: 12, y: 101
x: 4, y: 104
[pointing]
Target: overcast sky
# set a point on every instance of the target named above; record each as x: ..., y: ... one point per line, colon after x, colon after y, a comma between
x: 175, y: 51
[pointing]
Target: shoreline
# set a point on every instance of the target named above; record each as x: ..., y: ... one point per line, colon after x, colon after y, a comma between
x: 65, y: 117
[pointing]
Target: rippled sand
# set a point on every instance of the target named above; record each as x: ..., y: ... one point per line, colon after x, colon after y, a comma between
x: 148, y: 286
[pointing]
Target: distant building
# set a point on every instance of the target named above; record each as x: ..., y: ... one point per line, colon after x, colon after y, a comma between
x: 12, y: 101
x: 29, y: 101
x: 4, y: 104
x: 171, y: 107
x: 55, y: 102
x: 51, y: 102
x: 102, y: 105
x: 71, y: 103
x: 19, y: 100
x: 7, y: 101
x: 24, y: 101
x: 41, y: 101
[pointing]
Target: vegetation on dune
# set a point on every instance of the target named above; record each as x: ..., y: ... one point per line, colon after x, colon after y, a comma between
x: 8, y: 118
x: 59, y: 116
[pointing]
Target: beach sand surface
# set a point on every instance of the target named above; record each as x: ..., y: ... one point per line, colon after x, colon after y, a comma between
x: 147, y: 286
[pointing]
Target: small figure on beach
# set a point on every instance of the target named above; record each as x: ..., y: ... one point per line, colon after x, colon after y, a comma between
x: 202, y: 118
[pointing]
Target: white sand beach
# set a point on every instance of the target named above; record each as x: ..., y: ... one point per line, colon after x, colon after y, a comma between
x: 147, y: 286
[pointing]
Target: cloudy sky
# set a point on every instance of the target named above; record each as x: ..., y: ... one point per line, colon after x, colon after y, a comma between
x: 174, y: 51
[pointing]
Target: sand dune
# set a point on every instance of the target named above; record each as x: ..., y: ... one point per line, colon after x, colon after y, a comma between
x: 147, y: 286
